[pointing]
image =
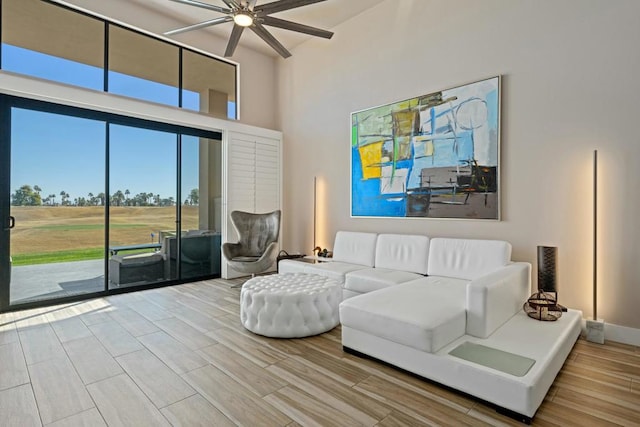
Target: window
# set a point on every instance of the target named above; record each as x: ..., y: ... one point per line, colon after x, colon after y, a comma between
x: 54, y: 42
x: 208, y: 85
x: 142, y: 67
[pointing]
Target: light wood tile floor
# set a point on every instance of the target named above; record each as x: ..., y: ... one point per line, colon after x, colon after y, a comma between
x: 179, y: 356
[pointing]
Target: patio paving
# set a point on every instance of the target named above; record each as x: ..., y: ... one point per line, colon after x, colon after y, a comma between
x: 46, y: 281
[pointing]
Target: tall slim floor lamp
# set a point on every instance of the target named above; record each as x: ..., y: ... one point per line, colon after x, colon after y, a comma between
x: 595, y: 326
x: 315, y: 219
x: 317, y: 250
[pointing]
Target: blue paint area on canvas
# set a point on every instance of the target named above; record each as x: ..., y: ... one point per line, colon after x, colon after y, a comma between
x: 366, y: 199
x: 492, y: 109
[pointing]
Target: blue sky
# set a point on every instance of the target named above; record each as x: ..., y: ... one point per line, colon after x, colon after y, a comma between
x: 60, y: 153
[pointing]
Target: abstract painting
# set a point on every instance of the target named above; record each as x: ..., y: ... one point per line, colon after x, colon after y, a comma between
x: 433, y: 156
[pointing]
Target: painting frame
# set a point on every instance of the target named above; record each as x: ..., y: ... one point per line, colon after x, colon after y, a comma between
x: 433, y: 156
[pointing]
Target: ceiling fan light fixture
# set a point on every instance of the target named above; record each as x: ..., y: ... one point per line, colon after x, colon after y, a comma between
x: 245, y: 14
x: 243, y: 19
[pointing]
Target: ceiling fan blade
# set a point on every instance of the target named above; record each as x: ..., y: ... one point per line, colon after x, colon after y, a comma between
x: 279, y: 6
x: 204, y: 24
x: 294, y: 26
x: 271, y: 41
x: 204, y: 5
x: 231, y: 3
x: 233, y: 40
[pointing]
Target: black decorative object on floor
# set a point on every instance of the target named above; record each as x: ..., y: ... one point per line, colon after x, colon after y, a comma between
x: 543, y: 305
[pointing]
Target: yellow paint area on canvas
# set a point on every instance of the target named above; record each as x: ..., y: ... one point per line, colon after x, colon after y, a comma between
x: 371, y: 157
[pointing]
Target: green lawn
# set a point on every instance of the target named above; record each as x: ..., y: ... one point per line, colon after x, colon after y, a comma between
x: 76, y: 227
x: 47, y: 234
x: 63, y: 256
x: 58, y: 256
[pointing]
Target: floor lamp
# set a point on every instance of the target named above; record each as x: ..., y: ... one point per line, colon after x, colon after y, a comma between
x: 316, y: 248
x: 595, y: 326
x: 315, y: 183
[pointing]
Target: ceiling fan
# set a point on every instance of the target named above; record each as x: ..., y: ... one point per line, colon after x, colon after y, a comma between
x: 245, y: 14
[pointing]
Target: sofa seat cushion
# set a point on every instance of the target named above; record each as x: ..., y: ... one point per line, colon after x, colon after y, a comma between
x: 372, y: 279
x: 425, y: 314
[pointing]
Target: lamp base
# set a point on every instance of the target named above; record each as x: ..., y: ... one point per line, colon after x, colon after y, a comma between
x: 595, y: 331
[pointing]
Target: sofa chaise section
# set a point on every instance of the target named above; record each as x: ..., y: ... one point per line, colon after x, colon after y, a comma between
x: 428, y: 313
x: 424, y: 314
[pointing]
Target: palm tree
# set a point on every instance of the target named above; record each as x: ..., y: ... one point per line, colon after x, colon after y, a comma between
x: 118, y: 198
x: 53, y: 199
x: 126, y: 193
x: 194, y: 196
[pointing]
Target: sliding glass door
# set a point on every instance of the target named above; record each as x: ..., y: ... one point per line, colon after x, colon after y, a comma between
x: 142, y: 209
x: 57, y: 244
x: 200, y: 210
x: 92, y: 203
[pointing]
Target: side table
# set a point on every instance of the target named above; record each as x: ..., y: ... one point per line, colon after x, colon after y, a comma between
x: 313, y: 259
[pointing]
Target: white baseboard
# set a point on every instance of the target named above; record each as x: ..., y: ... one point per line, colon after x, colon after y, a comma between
x: 621, y: 334
x: 617, y: 333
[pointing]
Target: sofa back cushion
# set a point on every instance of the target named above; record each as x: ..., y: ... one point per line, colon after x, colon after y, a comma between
x: 467, y: 259
x: 355, y: 248
x: 402, y: 252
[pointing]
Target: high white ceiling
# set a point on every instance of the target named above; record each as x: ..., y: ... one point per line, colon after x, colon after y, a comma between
x: 325, y: 15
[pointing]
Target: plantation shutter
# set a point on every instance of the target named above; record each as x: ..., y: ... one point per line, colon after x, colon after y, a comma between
x: 242, y: 174
x: 267, y: 176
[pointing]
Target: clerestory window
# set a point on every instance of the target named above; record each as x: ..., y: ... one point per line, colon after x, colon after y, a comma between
x: 57, y: 43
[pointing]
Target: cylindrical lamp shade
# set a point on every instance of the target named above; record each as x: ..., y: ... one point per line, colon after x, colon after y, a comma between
x: 547, y: 268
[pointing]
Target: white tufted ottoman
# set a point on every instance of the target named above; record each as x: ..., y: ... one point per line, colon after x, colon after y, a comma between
x: 290, y: 305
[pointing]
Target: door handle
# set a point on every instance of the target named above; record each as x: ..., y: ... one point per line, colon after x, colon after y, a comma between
x: 12, y: 222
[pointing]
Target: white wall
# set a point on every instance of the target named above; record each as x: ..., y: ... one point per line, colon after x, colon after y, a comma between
x: 570, y: 84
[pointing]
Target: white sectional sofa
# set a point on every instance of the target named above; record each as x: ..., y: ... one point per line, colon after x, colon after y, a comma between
x: 449, y: 310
